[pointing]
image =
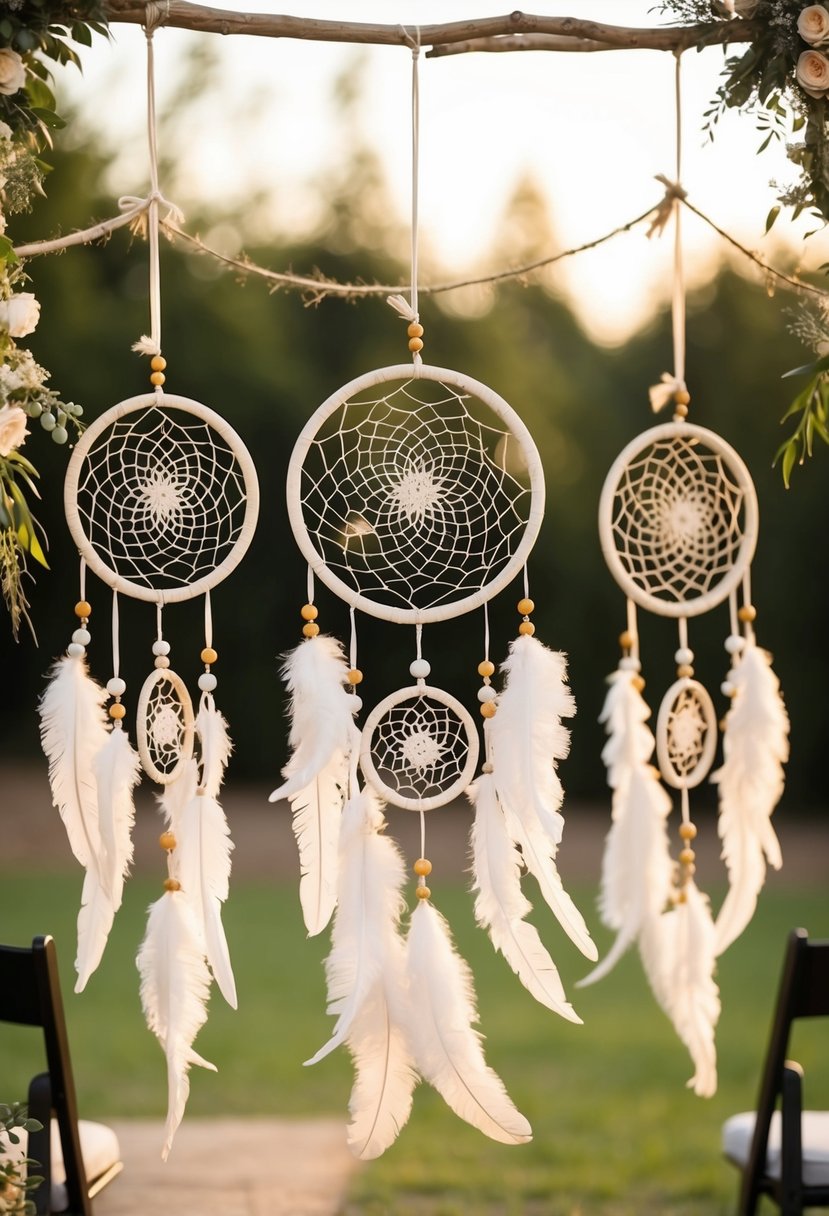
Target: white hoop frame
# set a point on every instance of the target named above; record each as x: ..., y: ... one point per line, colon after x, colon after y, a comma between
x: 116, y: 581
x: 456, y: 380
x: 731, y: 580
x: 467, y: 773
x: 663, y: 751
x: 180, y: 689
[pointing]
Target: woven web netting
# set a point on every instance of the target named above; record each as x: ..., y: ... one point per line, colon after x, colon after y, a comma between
x: 165, y: 726
x: 161, y: 498
x: 419, y: 750
x: 678, y: 519
x: 415, y: 494
x: 687, y: 733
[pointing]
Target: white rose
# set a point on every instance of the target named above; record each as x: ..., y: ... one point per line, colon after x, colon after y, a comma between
x: 12, y: 71
x: 20, y: 314
x: 5, y: 131
x: 812, y: 73
x: 12, y: 428
x: 813, y: 24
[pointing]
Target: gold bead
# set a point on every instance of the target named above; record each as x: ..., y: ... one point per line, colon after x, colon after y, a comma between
x: 172, y: 884
x: 488, y: 709
x: 117, y: 711
x: 687, y: 831
x: 682, y: 396
x: 82, y: 608
x: 680, y: 411
x: 157, y: 378
x: 415, y: 330
x: 684, y: 669
x: 355, y: 676
x: 309, y: 612
x: 158, y: 363
x: 423, y: 892
x: 527, y: 627
x: 638, y: 683
x: 486, y: 668
x: 681, y: 897
x: 687, y: 856
x: 415, y: 344
x: 626, y: 639
x: 747, y: 613
x: 167, y: 841
x: 310, y: 630
x: 422, y: 866
x: 525, y: 606
x: 208, y: 655
x: 690, y: 868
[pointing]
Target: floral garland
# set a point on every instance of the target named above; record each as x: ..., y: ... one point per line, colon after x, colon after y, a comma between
x: 31, y: 31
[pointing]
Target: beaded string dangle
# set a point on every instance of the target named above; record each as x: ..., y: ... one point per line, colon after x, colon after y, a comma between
x: 161, y: 499
x: 416, y: 494
x: 678, y: 523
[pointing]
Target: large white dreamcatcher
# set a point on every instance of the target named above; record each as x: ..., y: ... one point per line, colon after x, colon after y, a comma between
x: 161, y: 498
x: 415, y: 494
x: 678, y: 522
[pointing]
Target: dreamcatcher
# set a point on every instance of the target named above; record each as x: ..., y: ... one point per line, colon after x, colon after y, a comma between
x: 161, y: 499
x: 415, y: 494
x: 678, y: 524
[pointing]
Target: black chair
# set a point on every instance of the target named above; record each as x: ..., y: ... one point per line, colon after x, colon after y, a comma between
x: 785, y: 1153
x: 77, y: 1158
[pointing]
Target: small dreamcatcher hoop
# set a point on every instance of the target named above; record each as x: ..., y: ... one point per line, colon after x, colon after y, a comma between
x: 686, y: 734
x: 415, y: 494
x: 678, y: 519
x: 164, y: 732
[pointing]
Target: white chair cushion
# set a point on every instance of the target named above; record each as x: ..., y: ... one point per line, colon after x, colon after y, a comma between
x: 100, y: 1148
x: 814, y: 1131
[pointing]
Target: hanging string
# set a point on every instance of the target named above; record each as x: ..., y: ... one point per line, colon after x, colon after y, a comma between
x: 486, y: 629
x: 633, y: 629
x: 82, y: 580
x: 526, y: 582
x: 159, y: 608
x: 310, y: 585
x: 418, y: 639
x: 352, y: 646
x: 116, y: 642
x: 410, y: 308
x: 208, y: 620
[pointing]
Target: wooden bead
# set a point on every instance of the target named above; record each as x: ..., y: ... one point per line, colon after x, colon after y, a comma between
x: 690, y: 868
x: 526, y: 606
x: 486, y: 668
x: 415, y: 330
x: 638, y: 683
x: 158, y: 363
x: 422, y: 866
x: 682, y: 396
x: 423, y: 892
x: 680, y: 411
x: 488, y: 709
x: 687, y: 856
x: 310, y: 630
x: 527, y: 627
x: 355, y: 676
x: 209, y: 655
x: 681, y: 897
x: 747, y: 613
x: 82, y: 608
x: 685, y: 670
x: 309, y: 612
x: 626, y: 639
x: 415, y: 345
x: 157, y: 378
x: 687, y: 831
x: 167, y: 841
x: 117, y: 711
x: 172, y: 884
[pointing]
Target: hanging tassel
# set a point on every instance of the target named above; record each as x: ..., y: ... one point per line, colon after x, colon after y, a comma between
x: 527, y: 739
x: 679, y: 957
x: 447, y: 1050
x: 637, y: 869
x: 175, y: 985
x: 323, y: 736
x: 750, y: 780
x: 500, y: 904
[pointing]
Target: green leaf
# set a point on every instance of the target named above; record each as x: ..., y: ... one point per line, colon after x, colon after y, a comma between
x: 49, y: 117
x: 820, y: 365
x: 771, y: 217
x: 40, y: 95
x: 36, y: 552
x: 789, y: 457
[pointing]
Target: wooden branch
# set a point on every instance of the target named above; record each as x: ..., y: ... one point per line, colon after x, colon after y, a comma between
x: 567, y: 33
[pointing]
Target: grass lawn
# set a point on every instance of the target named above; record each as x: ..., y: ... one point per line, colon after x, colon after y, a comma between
x: 616, y: 1133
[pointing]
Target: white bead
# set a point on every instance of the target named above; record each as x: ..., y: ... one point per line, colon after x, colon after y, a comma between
x: 161, y: 647
x: 486, y: 767
x: 116, y: 687
x: 83, y: 636
x: 75, y: 649
x: 357, y: 703
x: 486, y: 693
x: 207, y: 681
x: 727, y: 688
x: 734, y: 643
x: 684, y: 657
x: 630, y: 664
x: 162, y: 661
x: 420, y: 669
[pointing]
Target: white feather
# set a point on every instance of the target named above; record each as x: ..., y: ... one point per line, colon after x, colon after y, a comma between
x: 369, y: 905
x: 679, y: 957
x: 175, y: 797
x: 175, y: 985
x: 215, y: 745
x: 446, y: 1048
x: 750, y: 780
x: 117, y: 772
x: 73, y: 729
x: 203, y: 868
x: 316, y: 816
x: 95, y: 918
x: 500, y: 905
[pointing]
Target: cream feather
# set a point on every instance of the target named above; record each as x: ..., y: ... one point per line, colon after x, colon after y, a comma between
x: 750, y: 780
x: 215, y: 745
x: 446, y: 1048
x: 369, y: 905
x: 500, y: 904
x: 636, y: 865
x: 117, y: 772
x: 95, y: 917
x: 175, y: 985
x: 203, y: 868
x: 73, y: 729
x: 679, y: 957
x: 174, y: 797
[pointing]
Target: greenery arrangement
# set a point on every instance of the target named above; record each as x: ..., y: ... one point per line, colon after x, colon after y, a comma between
x: 15, y: 1179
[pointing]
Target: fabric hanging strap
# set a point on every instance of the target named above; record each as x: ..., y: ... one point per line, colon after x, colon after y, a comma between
x: 410, y: 308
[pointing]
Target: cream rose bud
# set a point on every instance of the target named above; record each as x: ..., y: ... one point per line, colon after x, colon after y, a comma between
x: 20, y: 314
x: 12, y: 428
x: 813, y: 24
x: 812, y: 73
x: 5, y: 131
x: 12, y: 71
